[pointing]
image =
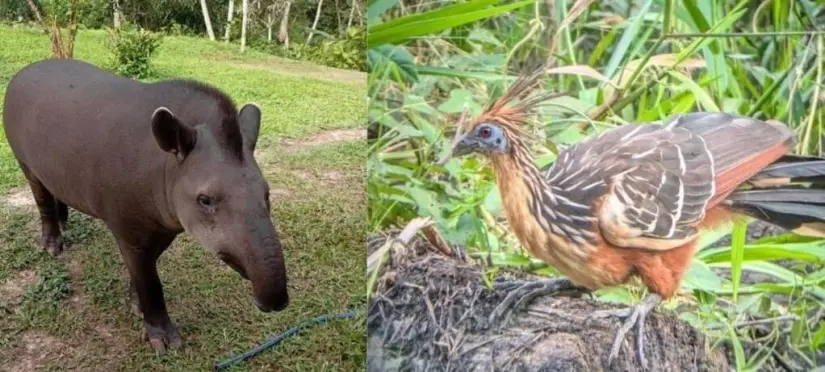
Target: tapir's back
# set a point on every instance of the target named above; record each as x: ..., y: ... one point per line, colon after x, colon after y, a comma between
x: 70, y: 102
x: 82, y: 131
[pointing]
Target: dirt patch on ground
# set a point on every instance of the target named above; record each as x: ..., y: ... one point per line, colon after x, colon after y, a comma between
x: 328, y: 178
x: 20, y: 197
x: 295, y: 68
x: 11, y: 290
x: 280, y: 194
x: 34, y: 350
x: 432, y: 313
x: 325, y: 137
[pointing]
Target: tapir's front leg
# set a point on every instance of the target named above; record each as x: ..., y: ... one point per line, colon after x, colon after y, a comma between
x: 140, y: 253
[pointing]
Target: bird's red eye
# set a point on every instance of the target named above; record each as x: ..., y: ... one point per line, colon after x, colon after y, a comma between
x: 485, y: 132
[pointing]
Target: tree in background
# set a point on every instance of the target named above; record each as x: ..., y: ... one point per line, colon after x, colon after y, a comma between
x: 61, y: 48
x: 207, y: 21
x: 244, y: 22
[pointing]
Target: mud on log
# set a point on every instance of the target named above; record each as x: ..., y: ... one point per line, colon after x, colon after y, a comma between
x: 430, y: 313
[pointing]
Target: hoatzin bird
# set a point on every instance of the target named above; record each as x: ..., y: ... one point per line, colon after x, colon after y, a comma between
x: 632, y: 200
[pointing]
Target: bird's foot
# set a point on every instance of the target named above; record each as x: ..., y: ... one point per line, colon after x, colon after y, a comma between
x: 522, y: 292
x: 633, y: 316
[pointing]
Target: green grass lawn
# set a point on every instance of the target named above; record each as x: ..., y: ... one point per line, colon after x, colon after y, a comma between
x: 71, y: 312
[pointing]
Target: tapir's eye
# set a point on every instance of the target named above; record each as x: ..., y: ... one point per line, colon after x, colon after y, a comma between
x: 205, y: 201
x: 485, y: 132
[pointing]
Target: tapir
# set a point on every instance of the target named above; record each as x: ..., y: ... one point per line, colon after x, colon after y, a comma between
x: 151, y: 161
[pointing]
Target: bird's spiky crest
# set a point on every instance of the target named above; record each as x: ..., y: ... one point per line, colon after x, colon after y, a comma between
x: 515, y: 108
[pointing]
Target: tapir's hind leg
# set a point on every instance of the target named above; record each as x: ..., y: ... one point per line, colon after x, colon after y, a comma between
x: 63, y: 215
x: 51, y: 239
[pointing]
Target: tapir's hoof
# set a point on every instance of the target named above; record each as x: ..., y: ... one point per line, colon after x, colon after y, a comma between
x: 53, y: 245
x: 163, y: 339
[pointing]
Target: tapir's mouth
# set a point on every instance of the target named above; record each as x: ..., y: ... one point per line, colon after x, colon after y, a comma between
x: 229, y: 260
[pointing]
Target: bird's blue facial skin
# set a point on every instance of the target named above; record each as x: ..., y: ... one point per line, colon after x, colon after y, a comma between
x: 485, y: 138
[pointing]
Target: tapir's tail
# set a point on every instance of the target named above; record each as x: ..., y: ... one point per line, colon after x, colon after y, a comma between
x: 789, y: 193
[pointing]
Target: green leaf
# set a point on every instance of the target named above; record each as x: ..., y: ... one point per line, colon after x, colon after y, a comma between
x: 459, y: 98
x: 712, y: 236
x: 696, y: 15
x: 700, y: 276
x: 762, y: 252
x: 419, y: 104
x: 737, y: 253
x: 403, y: 31
x: 394, y: 61
x: 425, y: 200
x: 616, y: 295
x: 440, y: 12
x: 700, y: 94
x: 569, y: 135
x: 492, y: 202
x: 629, y: 34
x: 453, y: 73
x: 484, y: 36
x: 738, y: 351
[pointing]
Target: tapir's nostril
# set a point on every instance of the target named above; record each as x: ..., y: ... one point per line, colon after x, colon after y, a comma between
x: 277, y: 306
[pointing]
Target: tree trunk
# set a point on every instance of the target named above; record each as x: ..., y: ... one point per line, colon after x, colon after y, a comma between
x: 116, y: 13
x: 269, y: 24
x: 207, y: 20
x: 245, y: 13
x: 315, y: 23
x: 229, y: 15
x: 37, y: 15
x: 283, y: 30
x: 351, y: 13
x: 339, y: 22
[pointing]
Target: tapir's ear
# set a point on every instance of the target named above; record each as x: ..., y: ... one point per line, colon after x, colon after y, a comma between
x: 172, y: 136
x: 249, y: 118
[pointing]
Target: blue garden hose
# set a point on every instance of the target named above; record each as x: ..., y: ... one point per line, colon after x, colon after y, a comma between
x: 277, y: 339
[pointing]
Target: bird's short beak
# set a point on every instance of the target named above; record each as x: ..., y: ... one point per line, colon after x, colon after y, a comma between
x: 464, y: 146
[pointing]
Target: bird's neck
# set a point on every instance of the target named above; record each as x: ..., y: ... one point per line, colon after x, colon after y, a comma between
x: 517, y: 173
x: 522, y: 191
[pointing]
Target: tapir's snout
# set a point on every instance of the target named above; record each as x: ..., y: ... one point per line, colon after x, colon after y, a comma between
x: 268, y: 281
x: 265, y: 269
x: 270, y: 296
x: 278, y: 305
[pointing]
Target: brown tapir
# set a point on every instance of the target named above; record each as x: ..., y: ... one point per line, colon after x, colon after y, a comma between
x: 150, y: 160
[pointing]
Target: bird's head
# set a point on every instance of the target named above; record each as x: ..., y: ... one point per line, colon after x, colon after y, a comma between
x: 496, y: 131
x: 487, y: 137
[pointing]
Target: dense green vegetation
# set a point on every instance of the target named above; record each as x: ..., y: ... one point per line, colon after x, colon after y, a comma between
x: 616, y: 62
x: 72, y: 312
x: 330, y: 33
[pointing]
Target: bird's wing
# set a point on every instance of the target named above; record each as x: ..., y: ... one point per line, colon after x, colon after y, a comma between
x: 658, y: 185
x: 655, y: 183
x: 741, y: 146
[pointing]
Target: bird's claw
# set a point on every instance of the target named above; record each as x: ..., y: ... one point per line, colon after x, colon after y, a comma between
x: 524, y: 291
x: 632, y: 316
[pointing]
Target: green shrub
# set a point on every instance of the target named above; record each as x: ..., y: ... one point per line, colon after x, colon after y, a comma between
x: 346, y: 51
x: 132, y: 51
